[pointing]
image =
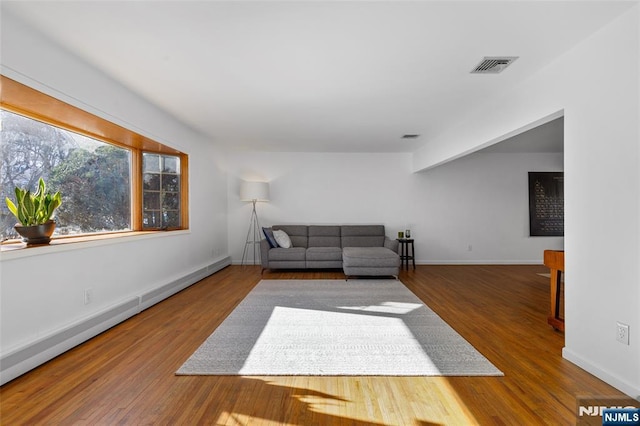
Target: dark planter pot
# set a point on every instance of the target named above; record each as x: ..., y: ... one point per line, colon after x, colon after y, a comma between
x: 36, y: 234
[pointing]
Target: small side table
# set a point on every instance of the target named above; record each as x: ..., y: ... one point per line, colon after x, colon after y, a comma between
x: 405, y: 257
x: 554, y: 260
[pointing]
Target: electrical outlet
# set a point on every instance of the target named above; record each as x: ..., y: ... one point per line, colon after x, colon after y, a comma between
x: 622, y: 334
x: 469, y: 247
x: 88, y: 296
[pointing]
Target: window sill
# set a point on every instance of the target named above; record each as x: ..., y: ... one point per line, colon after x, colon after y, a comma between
x: 15, y: 250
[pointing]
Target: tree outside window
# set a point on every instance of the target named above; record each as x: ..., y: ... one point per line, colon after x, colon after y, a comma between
x: 93, y: 176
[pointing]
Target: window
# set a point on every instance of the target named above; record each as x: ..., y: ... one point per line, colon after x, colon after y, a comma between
x: 160, y: 191
x: 94, y: 176
x: 111, y: 179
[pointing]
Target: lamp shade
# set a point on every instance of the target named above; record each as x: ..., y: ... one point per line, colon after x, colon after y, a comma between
x: 250, y: 191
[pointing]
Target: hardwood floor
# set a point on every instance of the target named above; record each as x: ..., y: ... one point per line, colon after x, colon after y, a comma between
x: 126, y: 375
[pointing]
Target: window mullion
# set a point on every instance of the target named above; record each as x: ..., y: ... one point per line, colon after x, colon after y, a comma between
x: 136, y: 190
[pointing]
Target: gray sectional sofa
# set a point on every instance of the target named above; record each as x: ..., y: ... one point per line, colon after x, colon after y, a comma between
x: 357, y: 249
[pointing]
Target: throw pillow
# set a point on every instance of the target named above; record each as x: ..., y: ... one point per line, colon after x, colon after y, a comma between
x: 268, y: 234
x: 282, y: 238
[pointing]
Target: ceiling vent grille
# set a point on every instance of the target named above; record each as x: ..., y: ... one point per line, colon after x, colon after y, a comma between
x: 493, y: 65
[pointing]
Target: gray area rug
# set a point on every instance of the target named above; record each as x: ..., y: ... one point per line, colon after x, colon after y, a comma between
x: 335, y: 328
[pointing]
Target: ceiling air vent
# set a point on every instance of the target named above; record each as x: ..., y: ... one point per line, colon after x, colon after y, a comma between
x: 410, y: 136
x: 493, y: 65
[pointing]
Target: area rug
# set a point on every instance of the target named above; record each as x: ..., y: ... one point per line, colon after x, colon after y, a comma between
x: 335, y: 328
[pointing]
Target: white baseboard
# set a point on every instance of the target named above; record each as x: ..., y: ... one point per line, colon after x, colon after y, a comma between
x: 156, y: 295
x: 633, y: 390
x: 455, y: 262
x: 33, y: 354
x: 479, y: 262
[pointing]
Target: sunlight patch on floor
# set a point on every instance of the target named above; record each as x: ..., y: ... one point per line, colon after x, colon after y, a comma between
x: 361, y: 401
x: 309, y: 329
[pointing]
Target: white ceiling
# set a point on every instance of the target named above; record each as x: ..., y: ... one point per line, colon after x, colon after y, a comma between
x: 330, y: 76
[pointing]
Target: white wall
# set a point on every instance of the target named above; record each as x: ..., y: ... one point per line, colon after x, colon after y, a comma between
x: 480, y: 200
x: 320, y: 189
x: 597, y: 84
x: 42, y: 289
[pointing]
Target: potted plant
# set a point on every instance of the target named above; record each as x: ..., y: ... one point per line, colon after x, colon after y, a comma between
x: 34, y: 212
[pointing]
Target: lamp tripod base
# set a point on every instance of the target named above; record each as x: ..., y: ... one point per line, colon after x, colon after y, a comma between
x: 253, y: 239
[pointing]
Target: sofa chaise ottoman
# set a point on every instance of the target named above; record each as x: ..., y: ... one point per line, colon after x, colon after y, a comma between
x: 369, y: 261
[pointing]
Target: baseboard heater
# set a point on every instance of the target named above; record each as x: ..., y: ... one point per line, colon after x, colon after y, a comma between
x: 32, y: 355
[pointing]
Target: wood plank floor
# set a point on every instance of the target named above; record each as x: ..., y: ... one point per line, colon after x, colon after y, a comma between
x: 126, y: 375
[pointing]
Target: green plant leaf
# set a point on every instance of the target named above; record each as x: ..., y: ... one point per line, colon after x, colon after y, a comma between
x: 53, y: 202
x: 41, y: 188
x: 36, y: 207
x: 29, y: 210
x: 12, y: 207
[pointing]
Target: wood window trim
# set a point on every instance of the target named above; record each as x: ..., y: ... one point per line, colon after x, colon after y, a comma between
x: 26, y: 101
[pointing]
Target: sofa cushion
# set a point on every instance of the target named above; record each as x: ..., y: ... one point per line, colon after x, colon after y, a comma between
x: 323, y: 264
x: 287, y: 264
x: 324, y: 254
x: 287, y: 254
x: 282, y: 238
x: 362, y: 235
x: 297, y: 233
x: 268, y: 235
x: 324, y: 236
x: 374, y: 257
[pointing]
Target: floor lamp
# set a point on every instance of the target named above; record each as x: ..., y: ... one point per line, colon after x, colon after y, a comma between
x: 253, y: 192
